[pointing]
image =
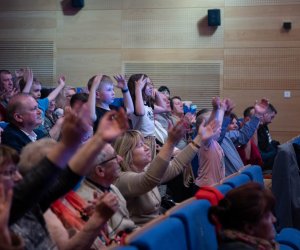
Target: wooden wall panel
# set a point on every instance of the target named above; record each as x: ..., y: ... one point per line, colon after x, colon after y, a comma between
x: 286, y: 122
x: 80, y: 64
x: 166, y: 4
x: 259, y: 58
x: 169, y: 28
x: 28, y: 25
x: 101, y: 5
x: 22, y: 5
x: 89, y: 29
x: 261, y: 26
x: 259, y: 2
x: 171, y: 55
x: 262, y: 68
x: 196, y: 81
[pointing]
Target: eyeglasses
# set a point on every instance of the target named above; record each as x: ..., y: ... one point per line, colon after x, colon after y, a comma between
x: 110, y: 159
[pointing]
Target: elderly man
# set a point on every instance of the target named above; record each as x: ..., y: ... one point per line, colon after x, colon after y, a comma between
x: 99, y: 180
x: 24, y: 116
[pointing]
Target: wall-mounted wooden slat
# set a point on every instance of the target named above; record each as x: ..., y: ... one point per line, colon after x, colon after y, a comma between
x: 89, y: 29
x: 38, y: 55
x: 262, y: 68
x: 195, y: 81
x: 261, y: 26
x: 166, y: 4
x: 169, y: 28
x: 22, y: 5
x: 259, y: 2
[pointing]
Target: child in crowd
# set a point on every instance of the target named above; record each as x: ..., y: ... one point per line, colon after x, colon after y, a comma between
x: 147, y: 101
x: 102, y: 95
x: 211, y: 165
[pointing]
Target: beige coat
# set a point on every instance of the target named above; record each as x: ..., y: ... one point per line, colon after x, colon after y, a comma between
x: 140, y: 189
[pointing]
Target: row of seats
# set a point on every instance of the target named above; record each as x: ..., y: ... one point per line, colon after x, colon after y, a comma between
x: 187, y: 227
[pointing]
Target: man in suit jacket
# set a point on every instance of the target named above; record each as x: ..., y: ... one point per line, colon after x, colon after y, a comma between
x: 24, y: 116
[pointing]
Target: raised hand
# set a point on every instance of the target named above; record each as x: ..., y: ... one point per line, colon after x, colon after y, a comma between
x: 140, y: 84
x: 216, y: 102
x: 209, y: 131
x: 19, y: 73
x: 229, y: 105
x: 62, y: 80
x: 190, y: 118
x: 112, y: 125
x: 106, y: 205
x: 176, y: 132
x: 121, y: 82
x: 261, y: 107
x: 28, y: 75
x: 13, y: 92
x: 75, y: 126
x: 97, y: 81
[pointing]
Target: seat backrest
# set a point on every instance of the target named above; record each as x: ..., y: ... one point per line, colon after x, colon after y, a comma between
x: 123, y: 248
x: 223, y: 188
x: 168, y: 234
x: 255, y: 173
x: 200, y: 233
x: 289, y: 237
x: 237, y: 180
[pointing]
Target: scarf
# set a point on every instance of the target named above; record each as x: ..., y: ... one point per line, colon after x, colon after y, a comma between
x: 257, y: 243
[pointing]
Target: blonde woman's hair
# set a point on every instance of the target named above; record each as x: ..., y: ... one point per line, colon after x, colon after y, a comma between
x: 124, y: 147
x: 34, y: 152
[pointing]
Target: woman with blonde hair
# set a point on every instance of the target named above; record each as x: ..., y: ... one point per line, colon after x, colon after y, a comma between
x: 140, y: 175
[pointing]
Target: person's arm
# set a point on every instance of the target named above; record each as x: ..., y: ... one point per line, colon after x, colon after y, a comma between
x: 122, y: 84
x: 105, y: 207
x: 54, y: 132
x: 243, y: 135
x: 40, y: 178
x: 111, y: 126
x: 205, y: 134
x: 139, y: 109
x: 133, y: 184
x: 56, y: 91
x: 159, y: 105
x: 28, y: 78
x: 92, y: 96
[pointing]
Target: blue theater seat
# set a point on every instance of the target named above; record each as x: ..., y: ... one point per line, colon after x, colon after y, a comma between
x: 200, y: 233
x: 237, y: 180
x: 166, y: 234
x: 223, y: 188
x: 289, y: 237
x: 124, y: 248
x: 255, y: 173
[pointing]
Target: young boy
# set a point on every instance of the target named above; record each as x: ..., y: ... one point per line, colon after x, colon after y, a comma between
x: 102, y: 96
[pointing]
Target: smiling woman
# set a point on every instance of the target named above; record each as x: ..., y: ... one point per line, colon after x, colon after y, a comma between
x: 141, y: 175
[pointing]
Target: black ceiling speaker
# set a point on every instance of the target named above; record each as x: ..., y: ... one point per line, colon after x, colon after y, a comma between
x: 77, y: 3
x: 214, y: 17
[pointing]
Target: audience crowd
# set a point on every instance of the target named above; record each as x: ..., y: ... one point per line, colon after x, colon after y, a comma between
x: 83, y: 170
